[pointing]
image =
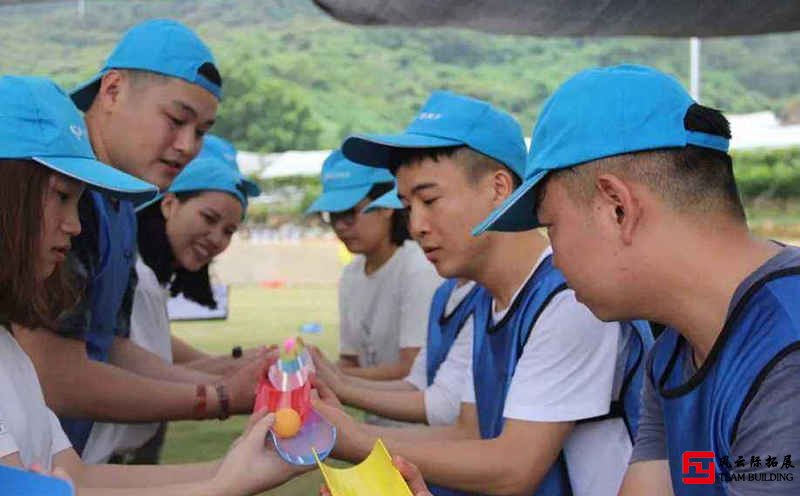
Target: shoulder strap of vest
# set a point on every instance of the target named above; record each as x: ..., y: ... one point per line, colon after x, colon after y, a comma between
x: 103, y: 233
x: 464, y: 309
x: 558, y: 285
x: 727, y: 330
x: 643, y: 339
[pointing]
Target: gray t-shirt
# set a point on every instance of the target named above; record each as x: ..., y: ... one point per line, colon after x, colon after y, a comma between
x: 770, y: 425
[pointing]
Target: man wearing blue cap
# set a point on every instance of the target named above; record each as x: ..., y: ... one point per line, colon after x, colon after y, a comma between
x: 146, y: 112
x: 179, y: 235
x: 537, y: 407
x: 632, y: 179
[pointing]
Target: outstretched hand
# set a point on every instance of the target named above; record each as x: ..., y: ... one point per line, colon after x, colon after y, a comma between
x: 250, y: 466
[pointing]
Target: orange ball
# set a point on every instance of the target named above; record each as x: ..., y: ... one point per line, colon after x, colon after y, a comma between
x: 287, y: 423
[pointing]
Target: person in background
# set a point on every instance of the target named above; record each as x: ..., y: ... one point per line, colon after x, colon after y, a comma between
x: 386, y: 291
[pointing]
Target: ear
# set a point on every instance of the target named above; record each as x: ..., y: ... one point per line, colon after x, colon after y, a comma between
x: 111, y: 88
x: 618, y: 205
x: 502, y: 185
x: 169, y: 204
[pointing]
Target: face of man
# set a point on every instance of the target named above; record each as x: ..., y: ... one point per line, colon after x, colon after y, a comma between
x: 588, y: 249
x: 444, y: 205
x: 153, y: 128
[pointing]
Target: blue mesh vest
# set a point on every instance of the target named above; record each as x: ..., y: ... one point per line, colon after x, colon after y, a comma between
x: 443, y: 329
x: 442, y: 333
x: 498, y: 348
x: 703, y: 413
x: 106, y: 289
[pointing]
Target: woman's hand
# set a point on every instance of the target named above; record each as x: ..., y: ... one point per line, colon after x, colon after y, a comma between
x: 250, y: 466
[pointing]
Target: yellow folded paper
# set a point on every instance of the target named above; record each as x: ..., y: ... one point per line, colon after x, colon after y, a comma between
x: 375, y: 476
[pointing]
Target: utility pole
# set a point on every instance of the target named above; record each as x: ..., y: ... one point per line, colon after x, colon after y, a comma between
x: 694, y: 68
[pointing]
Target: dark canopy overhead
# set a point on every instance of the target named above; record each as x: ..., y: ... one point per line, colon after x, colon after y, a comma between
x: 678, y: 18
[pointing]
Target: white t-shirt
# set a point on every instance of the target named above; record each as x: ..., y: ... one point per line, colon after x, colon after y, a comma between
x: 388, y: 309
x: 149, y: 329
x: 443, y: 397
x: 27, y: 425
x: 567, y: 372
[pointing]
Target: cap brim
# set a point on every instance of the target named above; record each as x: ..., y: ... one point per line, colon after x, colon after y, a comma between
x: 375, y: 150
x: 83, y: 96
x: 143, y: 205
x: 387, y: 200
x: 515, y: 214
x: 98, y: 175
x: 339, y: 200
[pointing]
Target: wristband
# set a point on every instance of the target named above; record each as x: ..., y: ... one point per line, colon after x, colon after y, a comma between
x: 199, y: 409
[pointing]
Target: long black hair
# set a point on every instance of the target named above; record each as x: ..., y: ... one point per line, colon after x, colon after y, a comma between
x: 156, y: 252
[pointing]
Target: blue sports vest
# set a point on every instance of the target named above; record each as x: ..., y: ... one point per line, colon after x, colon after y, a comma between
x: 443, y: 329
x: 703, y: 414
x: 442, y: 333
x: 498, y: 348
x: 628, y: 405
x: 105, y: 290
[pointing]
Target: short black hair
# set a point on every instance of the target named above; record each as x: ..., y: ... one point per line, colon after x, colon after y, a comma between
x: 210, y: 72
x: 398, y: 232
x: 690, y: 178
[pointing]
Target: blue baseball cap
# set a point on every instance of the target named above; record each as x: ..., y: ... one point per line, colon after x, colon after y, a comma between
x: 600, y: 113
x: 447, y: 119
x: 386, y: 200
x: 162, y: 46
x: 211, y: 171
x: 345, y: 183
x: 39, y: 122
x: 227, y: 152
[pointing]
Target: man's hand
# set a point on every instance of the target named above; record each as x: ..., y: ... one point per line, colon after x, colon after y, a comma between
x: 241, y: 385
x: 353, y: 443
x: 412, y: 475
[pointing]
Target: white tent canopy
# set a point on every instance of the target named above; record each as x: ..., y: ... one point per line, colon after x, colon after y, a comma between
x: 750, y: 131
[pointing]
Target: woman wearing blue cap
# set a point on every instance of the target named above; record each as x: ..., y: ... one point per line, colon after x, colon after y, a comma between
x: 178, y: 237
x: 46, y: 158
x: 386, y: 292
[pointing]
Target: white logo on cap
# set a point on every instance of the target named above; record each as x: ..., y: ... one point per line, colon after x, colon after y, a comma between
x: 76, y: 130
x: 336, y: 175
x: 429, y: 116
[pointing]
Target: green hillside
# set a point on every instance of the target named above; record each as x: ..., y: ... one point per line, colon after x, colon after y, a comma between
x: 298, y: 79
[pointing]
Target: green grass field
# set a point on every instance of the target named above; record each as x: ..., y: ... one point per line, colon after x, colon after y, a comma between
x: 257, y: 316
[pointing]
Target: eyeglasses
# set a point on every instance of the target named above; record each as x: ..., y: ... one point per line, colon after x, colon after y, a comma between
x: 347, y: 217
